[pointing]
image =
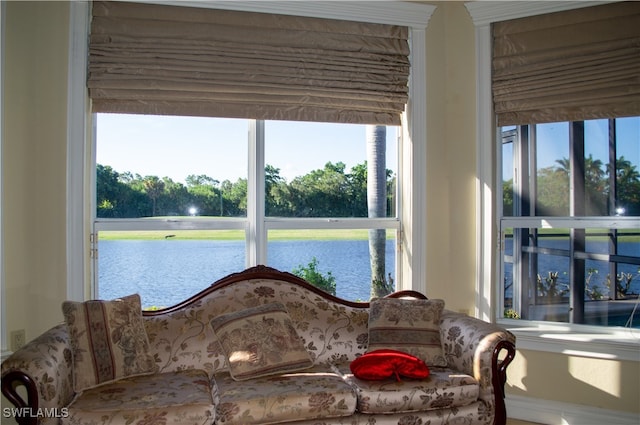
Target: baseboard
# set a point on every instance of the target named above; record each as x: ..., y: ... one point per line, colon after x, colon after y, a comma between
x: 558, y: 413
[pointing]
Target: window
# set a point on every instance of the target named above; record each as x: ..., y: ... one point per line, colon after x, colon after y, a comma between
x: 411, y: 153
x: 155, y: 195
x: 569, y: 226
x: 493, y: 159
x: 182, y: 202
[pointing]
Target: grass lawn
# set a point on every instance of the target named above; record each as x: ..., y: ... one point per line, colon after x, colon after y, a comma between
x: 626, y: 235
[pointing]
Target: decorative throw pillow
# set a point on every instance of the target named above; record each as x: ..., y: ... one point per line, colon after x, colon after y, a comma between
x: 383, y: 364
x: 108, y: 340
x: 408, y: 325
x: 260, y: 341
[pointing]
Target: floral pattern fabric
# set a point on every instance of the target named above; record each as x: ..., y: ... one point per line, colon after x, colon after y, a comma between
x: 408, y: 325
x: 175, y: 398
x: 47, y: 359
x: 108, y: 340
x: 182, y: 342
x: 314, y: 394
x: 472, y: 414
x: 468, y: 346
x: 444, y: 388
x: 331, y: 332
x: 260, y: 341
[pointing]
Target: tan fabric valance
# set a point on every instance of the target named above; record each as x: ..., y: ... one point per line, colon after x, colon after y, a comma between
x: 158, y: 59
x: 568, y: 66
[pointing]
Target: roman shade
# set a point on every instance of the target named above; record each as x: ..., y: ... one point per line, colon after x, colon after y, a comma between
x: 159, y: 59
x: 568, y: 66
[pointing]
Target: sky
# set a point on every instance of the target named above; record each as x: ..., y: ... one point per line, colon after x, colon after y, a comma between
x: 553, y: 143
x: 176, y: 147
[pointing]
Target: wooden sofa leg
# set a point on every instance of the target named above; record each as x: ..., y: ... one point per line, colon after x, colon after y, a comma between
x: 499, y: 374
x: 10, y: 382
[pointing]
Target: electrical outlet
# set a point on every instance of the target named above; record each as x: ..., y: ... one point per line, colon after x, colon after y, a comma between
x: 18, y: 339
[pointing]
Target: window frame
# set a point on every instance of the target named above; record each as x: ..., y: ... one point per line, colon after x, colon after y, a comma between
x: 256, y: 225
x: 570, y: 339
x: 412, y: 156
x: 4, y: 352
x: 524, y: 139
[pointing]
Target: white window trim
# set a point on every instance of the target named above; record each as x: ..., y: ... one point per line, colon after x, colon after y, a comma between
x: 412, y: 156
x: 78, y: 156
x: 4, y: 349
x: 570, y: 339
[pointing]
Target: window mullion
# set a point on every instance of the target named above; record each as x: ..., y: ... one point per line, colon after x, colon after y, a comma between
x: 613, y: 155
x: 331, y: 223
x: 256, y: 231
x: 524, y: 201
x: 577, y: 208
x: 613, y: 195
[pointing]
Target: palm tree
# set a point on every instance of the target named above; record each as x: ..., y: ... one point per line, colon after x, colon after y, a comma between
x: 595, y: 183
x: 153, y: 187
x: 596, y: 186
x: 377, y: 206
x: 627, y: 186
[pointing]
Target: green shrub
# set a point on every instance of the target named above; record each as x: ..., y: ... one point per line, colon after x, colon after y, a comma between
x: 510, y: 313
x: 311, y: 274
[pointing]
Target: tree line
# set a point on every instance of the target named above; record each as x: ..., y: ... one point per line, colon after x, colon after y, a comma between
x: 327, y: 192
x: 553, y: 189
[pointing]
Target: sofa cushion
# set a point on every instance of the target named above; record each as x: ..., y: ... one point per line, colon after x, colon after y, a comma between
x: 108, y: 340
x: 408, y: 325
x: 313, y: 394
x: 383, y: 364
x: 444, y: 388
x: 174, y: 398
x: 260, y: 341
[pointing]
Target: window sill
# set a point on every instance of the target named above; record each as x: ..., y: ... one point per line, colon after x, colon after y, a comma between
x: 576, y: 340
x: 5, y: 354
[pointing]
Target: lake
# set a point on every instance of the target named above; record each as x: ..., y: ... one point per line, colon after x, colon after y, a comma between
x: 165, y: 272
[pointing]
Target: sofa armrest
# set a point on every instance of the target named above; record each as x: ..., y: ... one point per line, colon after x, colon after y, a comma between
x: 44, y: 367
x: 480, y: 349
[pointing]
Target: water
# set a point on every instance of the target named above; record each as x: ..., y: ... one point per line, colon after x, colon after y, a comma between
x: 598, y: 311
x: 165, y: 272
x: 599, y: 269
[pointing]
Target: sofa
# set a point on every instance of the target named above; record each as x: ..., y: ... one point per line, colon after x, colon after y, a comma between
x: 259, y: 347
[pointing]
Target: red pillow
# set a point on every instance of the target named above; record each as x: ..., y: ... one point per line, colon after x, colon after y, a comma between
x: 383, y: 363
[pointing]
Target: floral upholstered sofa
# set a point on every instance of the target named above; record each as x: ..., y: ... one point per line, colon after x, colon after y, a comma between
x: 260, y: 347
